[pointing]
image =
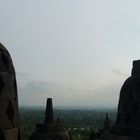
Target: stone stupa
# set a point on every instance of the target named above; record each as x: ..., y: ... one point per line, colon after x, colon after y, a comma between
x: 50, y: 130
x: 9, y: 113
x: 127, y: 125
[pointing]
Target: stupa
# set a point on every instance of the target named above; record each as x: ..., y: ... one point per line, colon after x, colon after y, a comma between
x: 127, y: 125
x: 9, y: 114
x: 50, y: 130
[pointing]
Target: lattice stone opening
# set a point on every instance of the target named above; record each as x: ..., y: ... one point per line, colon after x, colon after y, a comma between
x: 128, y: 120
x: 19, y: 135
x: 15, y: 88
x: 136, y: 107
x: 10, y: 113
x: 5, y: 61
x: 2, y: 137
x: 1, y: 85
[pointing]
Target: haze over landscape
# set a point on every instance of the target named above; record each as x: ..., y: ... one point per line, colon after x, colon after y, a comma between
x: 79, y: 52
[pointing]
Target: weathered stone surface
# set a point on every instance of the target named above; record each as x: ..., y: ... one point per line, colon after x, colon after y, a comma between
x: 9, y: 114
x: 127, y: 125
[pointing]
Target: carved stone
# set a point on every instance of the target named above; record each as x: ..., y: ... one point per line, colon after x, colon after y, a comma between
x: 9, y: 114
x: 127, y: 125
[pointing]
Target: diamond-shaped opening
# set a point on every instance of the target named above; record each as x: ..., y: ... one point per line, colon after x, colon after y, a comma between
x: 118, y: 119
x: 2, y: 137
x: 136, y: 107
x: 5, y: 61
x: 1, y: 85
x: 10, y: 113
x: 130, y: 95
x: 127, y: 119
x: 124, y: 106
x: 19, y: 135
x: 15, y: 88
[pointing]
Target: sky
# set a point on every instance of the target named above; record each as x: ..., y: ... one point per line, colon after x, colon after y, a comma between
x: 78, y: 52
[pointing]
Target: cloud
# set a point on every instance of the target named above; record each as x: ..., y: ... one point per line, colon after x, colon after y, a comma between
x: 36, y: 87
x: 35, y: 93
x: 119, y: 73
x: 22, y: 74
x: 108, y: 96
x: 39, y: 86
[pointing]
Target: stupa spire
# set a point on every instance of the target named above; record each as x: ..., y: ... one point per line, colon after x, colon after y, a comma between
x: 49, y: 118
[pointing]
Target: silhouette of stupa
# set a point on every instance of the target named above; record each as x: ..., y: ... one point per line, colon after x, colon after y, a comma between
x: 49, y: 130
x: 93, y: 135
x: 107, y: 123
x: 49, y: 118
x: 9, y: 114
x: 127, y: 125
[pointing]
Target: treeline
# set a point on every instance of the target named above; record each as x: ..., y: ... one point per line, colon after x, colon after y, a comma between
x: 78, y: 120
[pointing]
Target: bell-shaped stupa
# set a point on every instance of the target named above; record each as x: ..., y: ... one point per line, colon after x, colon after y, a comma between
x: 127, y: 125
x: 9, y: 114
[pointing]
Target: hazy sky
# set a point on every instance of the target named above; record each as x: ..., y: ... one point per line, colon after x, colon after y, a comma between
x: 79, y: 52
